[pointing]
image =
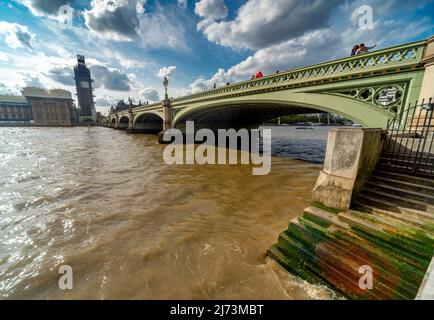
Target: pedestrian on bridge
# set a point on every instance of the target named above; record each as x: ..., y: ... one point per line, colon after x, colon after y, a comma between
x: 363, y: 49
x: 354, y: 50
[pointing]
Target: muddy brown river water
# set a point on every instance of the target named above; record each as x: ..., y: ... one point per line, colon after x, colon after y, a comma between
x: 132, y: 227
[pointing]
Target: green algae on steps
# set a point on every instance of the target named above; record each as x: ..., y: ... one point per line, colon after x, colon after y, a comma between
x: 315, y: 249
x: 322, y: 206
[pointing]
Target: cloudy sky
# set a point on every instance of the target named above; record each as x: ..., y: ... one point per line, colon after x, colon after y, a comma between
x: 131, y: 45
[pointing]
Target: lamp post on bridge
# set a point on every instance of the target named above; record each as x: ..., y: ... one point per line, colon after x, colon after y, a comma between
x: 130, y: 116
x: 165, y: 84
x: 166, y: 106
x: 167, y: 124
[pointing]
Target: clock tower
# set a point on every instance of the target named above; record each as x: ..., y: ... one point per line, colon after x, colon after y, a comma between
x: 84, y: 85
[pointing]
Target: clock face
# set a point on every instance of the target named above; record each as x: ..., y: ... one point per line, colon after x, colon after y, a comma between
x: 84, y: 84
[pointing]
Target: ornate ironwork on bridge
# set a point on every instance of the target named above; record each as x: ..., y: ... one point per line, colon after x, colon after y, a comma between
x: 369, y: 89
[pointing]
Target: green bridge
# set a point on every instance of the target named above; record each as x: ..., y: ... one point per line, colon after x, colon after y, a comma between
x: 368, y: 89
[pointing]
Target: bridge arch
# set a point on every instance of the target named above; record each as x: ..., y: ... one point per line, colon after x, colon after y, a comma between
x: 253, y: 110
x: 148, y: 121
x: 123, y: 122
x: 112, y: 122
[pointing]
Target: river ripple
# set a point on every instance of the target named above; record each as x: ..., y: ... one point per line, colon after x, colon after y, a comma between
x: 131, y: 227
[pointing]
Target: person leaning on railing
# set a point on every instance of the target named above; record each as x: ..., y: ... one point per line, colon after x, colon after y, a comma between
x: 363, y: 49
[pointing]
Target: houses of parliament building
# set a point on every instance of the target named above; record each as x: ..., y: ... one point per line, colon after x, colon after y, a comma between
x: 38, y: 107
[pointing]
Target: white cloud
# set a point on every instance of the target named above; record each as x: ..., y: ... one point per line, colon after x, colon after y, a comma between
x: 4, y: 57
x: 201, y: 84
x: 166, y: 71
x: 42, y: 8
x: 115, y: 20
x: 279, y: 57
x: 31, y: 80
x: 129, y: 63
x: 36, y: 64
x: 63, y: 75
x: 7, y: 90
x: 105, y: 101
x: 140, y: 6
x: 150, y: 94
x: 110, y: 78
x: 163, y: 28
x: 211, y: 9
x: 261, y: 23
x: 127, y: 20
x: 16, y: 35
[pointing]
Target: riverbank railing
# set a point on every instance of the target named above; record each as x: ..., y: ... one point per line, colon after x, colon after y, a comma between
x: 409, y: 144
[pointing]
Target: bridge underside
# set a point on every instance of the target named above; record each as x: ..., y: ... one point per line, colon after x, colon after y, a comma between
x: 148, y: 123
x: 123, y: 123
x: 249, y: 116
x: 251, y: 111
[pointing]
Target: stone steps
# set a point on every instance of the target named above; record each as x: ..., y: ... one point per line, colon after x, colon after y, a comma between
x: 380, y: 186
x: 403, y: 185
x: 308, y: 232
x: 399, y: 199
x: 335, y: 266
x: 383, y: 204
x: 404, y: 177
x: 407, y: 160
x: 404, y: 238
x: 328, y: 247
x: 362, y: 239
x: 324, y: 266
x: 413, y: 267
x: 323, y: 218
x: 414, y: 220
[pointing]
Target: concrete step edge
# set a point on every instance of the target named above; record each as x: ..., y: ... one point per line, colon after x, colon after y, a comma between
x: 429, y: 198
x: 400, y: 175
x: 428, y: 189
x: 407, y: 229
x: 411, y: 220
x: 411, y: 211
x: 331, y: 218
x: 416, y: 204
x: 378, y: 232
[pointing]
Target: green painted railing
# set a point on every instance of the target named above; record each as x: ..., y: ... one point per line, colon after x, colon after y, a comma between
x: 397, y: 57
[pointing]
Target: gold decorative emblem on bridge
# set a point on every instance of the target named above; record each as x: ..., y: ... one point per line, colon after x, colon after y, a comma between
x: 388, y: 96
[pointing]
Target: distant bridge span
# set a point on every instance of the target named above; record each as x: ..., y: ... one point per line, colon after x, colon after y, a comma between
x: 369, y: 89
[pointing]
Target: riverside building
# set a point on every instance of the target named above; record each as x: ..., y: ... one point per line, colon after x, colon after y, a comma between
x: 38, y: 107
